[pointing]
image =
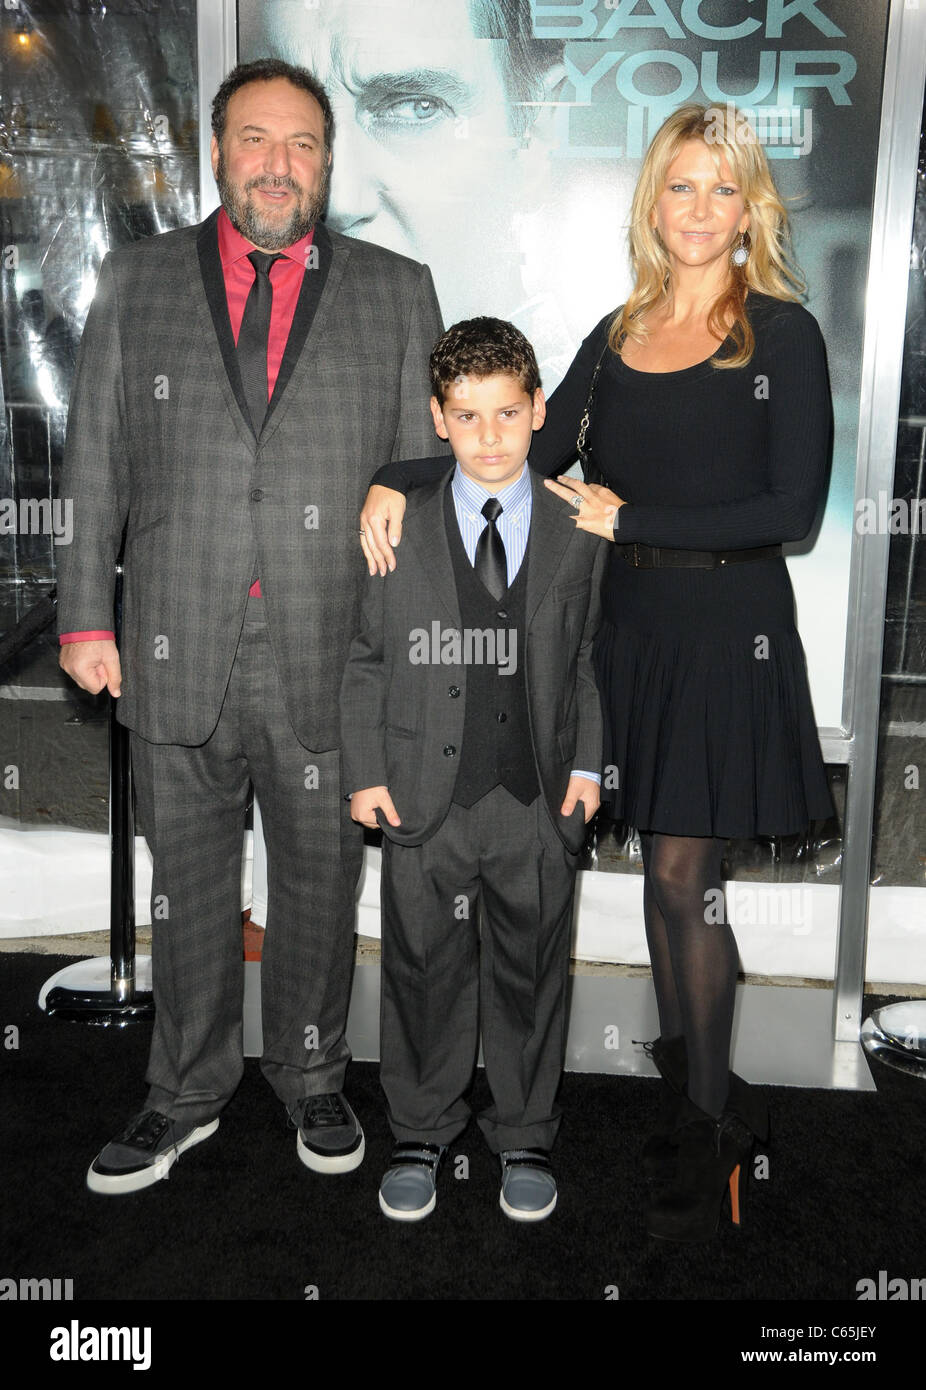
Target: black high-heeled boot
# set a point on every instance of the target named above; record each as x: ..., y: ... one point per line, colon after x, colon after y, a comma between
x: 713, y: 1159
x: 660, y: 1151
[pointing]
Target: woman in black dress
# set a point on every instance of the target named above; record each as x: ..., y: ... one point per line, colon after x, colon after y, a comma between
x: 710, y: 424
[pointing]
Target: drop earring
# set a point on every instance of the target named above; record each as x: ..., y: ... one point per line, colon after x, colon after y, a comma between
x: 741, y: 253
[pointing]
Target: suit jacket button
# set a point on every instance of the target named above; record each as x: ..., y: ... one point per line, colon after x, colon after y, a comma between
x: 454, y: 692
x: 257, y: 495
x: 449, y: 751
x: 502, y: 613
x: 501, y: 716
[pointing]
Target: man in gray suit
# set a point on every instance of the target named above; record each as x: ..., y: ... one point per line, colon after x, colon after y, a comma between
x: 237, y: 383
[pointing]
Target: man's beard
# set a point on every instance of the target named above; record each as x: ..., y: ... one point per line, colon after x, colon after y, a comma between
x: 270, y: 235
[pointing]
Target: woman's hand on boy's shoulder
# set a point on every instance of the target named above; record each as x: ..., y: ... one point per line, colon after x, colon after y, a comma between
x: 381, y: 527
x: 597, y: 505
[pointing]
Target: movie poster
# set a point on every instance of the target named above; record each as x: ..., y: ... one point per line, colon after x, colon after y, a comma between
x: 499, y: 141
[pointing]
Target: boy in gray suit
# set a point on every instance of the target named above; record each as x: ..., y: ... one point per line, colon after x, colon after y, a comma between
x: 471, y: 730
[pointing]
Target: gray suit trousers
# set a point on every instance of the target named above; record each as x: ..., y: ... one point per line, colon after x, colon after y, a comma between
x: 191, y: 804
x: 441, y: 984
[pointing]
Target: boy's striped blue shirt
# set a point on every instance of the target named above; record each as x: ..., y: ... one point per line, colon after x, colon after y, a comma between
x: 513, y: 525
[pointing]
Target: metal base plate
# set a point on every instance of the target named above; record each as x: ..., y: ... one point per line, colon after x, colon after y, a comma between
x: 896, y: 1036
x: 782, y: 1035
x: 83, y: 993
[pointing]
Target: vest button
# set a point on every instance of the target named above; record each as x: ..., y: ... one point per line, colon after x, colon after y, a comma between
x: 502, y: 613
x: 454, y: 692
x: 501, y: 716
x: 257, y: 495
x: 449, y: 751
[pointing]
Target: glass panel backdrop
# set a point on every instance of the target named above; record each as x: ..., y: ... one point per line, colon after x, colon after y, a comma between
x: 98, y: 147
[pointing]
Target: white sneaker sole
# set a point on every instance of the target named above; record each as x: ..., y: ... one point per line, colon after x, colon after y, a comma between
x: 395, y: 1214
x: 337, y: 1163
x: 517, y: 1215
x: 113, y: 1184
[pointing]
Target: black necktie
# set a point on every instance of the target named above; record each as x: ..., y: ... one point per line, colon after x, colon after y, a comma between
x: 253, y: 336
x: 491, y: 563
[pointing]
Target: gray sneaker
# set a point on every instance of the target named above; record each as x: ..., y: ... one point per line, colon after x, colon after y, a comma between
x: 144, y: 1152
x: 328, y: 1134
x: 408, y: 1191
x: 528, y: 1185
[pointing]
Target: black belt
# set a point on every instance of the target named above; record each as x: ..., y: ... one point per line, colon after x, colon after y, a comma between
x: 654, y: 557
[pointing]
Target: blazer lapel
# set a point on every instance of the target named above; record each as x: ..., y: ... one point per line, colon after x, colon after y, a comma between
x: 221, y: 339
x: 550, y: 534
x: 318, y: 294
x: 428, y: 538
x: 313, y: 284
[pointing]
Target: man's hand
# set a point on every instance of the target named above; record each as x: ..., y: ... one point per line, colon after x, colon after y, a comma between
x: 364, y: 804
x: 585, y: 790
x: 93, y: 665
x: 381, y: 527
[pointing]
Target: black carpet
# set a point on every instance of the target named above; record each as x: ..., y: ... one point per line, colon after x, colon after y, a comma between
x: 242, y: 1218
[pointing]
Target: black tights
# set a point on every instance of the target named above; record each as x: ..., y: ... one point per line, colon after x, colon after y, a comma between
x: 693, y: 955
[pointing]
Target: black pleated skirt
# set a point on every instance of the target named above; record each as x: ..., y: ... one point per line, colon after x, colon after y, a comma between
x: 709, y: 726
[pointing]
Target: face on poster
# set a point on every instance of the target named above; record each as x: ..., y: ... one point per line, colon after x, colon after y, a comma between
x: 444, y: 129
x: 499, y: 141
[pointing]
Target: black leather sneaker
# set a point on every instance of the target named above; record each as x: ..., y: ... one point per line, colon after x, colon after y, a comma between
x: 328, y: 1134
x: 144, y: 1152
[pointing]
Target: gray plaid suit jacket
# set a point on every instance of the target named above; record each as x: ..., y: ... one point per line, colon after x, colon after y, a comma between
x: 160, y: 447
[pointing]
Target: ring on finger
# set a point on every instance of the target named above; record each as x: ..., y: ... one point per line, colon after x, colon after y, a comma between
x: 576, y: 501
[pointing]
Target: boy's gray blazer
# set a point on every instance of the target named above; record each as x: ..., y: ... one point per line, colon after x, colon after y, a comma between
x: 402, y: 722
x: 160, y: 443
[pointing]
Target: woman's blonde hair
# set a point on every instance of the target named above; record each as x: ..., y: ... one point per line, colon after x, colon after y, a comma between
x: 769, y: 270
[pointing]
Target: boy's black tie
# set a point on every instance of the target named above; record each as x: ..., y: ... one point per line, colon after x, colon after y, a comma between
x: 252, y: 338
x: 491, y: 563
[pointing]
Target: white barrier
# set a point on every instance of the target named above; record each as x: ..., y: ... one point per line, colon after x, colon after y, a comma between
x: 56, y: 882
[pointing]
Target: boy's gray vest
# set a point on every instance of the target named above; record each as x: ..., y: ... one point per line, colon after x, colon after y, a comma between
x: 497, y: 748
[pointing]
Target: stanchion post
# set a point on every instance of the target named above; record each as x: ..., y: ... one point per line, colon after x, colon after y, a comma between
x: 75, y: 994
x: 122, y: 841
